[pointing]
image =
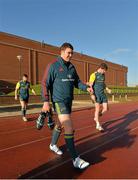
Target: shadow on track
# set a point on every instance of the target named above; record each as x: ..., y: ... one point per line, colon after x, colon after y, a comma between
x: 117, y: 135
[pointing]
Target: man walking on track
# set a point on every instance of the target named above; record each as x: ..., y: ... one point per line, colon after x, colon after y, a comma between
x: 59, y: 79
x: 97, y: 83
x: 23, y: 87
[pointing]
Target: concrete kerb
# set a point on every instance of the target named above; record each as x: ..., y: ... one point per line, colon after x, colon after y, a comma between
x: 15, y: 110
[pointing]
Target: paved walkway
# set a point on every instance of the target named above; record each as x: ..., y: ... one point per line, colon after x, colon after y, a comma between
x: 15, y: 110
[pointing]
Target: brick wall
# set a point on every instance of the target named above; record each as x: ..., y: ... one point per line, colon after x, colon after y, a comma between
x: 37, y: 55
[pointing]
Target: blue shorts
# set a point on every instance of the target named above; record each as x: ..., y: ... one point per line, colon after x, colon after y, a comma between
x: 62, y: 107
x: 101, y: 98
x: 24, y: 99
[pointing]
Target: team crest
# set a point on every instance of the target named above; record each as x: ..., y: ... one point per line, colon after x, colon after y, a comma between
x: 69, y: 76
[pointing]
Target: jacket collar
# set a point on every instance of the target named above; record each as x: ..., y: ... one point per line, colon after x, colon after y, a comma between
x: 60, y: 59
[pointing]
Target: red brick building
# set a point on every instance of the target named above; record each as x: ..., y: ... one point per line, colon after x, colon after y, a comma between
x: 36, y: 55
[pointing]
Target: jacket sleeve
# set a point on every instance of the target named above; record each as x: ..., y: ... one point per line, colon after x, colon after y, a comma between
x: 18, y: 85
x: 92, y: 78
x: 78, y: 83
x: 47, y: 82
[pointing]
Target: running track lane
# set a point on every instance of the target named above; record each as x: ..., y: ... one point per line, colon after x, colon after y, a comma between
x: 24, y: 151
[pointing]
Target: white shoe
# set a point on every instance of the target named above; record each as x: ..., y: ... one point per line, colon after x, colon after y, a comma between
x: 25, y: 119
x: 80, y: 163
x: 55, y: 149
x: 99, y: 127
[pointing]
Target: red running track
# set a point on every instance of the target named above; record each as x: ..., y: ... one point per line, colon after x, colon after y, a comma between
x: 24, y: 151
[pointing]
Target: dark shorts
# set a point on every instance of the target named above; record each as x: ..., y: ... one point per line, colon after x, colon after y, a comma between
x: 62, y: 107
x: 101, y: 98
x: 25, y: 99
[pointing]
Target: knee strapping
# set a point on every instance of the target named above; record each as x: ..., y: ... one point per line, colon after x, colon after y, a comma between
x: 58, y: 128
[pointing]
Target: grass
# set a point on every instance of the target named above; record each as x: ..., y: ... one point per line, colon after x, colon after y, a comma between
x: 37, y: 89
x: 124, y: 90
x: 115, y: 90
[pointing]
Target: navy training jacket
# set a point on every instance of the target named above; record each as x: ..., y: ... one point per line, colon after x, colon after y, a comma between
x: 60, y: 80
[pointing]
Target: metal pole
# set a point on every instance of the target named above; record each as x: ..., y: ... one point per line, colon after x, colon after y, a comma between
x: 19, y: 57
x: 20, y: 69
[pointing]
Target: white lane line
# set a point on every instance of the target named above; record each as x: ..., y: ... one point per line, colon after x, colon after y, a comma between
x: 15, y: 131
x: 92, y: 149
x: 38, y: 140
x: 47, y: 137
x: 20, y: 130
x: 108, y: 141
x: 24, y: 144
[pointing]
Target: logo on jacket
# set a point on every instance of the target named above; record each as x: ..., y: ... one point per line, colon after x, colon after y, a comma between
x: 69, y: 76
x: 61, y: 69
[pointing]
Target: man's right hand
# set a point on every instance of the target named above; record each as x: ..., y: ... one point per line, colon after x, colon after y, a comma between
x: 90, y: 90
x: 16, y: 97
x: 46, y: 107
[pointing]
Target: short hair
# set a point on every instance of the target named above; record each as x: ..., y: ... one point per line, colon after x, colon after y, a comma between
x: 103, y: 66
x: 65, y: 46
x: 25, y: 75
